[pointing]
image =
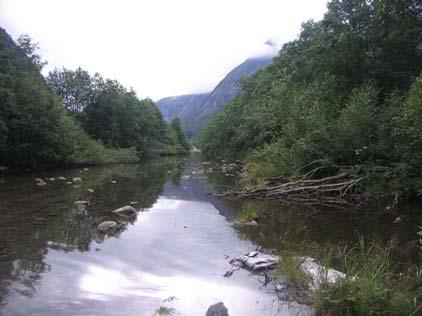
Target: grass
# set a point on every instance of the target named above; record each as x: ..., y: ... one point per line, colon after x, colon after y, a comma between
x: 165, y: 311
x: 378, y: 289
x: 289, y: 268
x: 248, y: 213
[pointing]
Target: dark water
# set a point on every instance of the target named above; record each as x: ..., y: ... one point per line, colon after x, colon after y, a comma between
x: 54, y: 262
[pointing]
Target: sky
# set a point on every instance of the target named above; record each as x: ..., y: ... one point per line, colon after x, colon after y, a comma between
x: 159, y: 48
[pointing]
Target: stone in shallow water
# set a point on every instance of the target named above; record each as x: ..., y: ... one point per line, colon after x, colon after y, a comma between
x: 107, y: 226
x: 217, y: 310
x: 77, y: 180
x: 258, y: 261
x: 127, y: 211
x: 77, y: 203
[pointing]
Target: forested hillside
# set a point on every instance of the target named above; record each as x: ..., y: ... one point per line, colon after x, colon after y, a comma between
x: 72, y: 119
x: 346, y: 92
x: 194, y: 110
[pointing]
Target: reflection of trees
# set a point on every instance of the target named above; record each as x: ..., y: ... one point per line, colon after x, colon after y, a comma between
x: 37, y: 219
x: 287, y: 225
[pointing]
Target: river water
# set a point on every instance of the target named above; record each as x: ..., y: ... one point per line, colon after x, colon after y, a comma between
x: 173, y: 256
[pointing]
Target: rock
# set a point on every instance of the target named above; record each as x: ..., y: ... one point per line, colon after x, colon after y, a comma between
x: 62, y: 178
x: 397, y: 220
x: 250, y: 223
x: 86, y: 169
x: 258, y: 261
x: 217, y: 310
x: 133, y: 203
x: 77, y: 180
x: 114, y: 181
x: 90, y: 190
x: 3, y: 168
x: 40, y: 182
x: 81, y: 203
x: 107, y: 226
x: 319, y: 274
x: 69, y: 182
x: 127, y: 211
x: 52, y: 179
x: 228, y: 274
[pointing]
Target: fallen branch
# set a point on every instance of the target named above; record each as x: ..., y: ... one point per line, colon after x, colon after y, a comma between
x: 330, y: 191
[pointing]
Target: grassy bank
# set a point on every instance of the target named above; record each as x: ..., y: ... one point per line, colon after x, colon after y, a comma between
x: 380, y: 287
x: 385, y: 275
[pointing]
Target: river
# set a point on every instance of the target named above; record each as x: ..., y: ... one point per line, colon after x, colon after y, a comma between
x: 173, y: 256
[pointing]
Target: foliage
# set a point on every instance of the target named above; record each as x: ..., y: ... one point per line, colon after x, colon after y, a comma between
x: 116, y: 116
x: 345, y: 92
x: 39, y: 128
x: 248, y: 213
x: 35, y: 128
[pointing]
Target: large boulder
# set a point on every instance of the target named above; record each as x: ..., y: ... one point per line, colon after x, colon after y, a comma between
x: 107, y: 227
x: 217, y: 310
x: 126, y: 211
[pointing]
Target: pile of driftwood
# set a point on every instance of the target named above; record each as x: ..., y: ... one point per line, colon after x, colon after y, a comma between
x: 326, y: 191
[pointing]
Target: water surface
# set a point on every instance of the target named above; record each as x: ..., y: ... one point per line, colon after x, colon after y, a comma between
x: 54, y: 262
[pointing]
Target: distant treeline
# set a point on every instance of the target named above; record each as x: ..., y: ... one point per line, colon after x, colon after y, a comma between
x: 346, y: 92
x: 72, y: 117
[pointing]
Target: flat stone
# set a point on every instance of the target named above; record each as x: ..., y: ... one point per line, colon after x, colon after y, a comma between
x: 258, y: 261
x: 127, y: 211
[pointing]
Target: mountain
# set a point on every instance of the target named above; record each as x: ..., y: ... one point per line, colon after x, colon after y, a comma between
x: 181, y: 106
x: 194, y: 110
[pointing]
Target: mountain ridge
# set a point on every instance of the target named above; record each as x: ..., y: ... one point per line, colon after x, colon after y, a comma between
x: 194, y: 110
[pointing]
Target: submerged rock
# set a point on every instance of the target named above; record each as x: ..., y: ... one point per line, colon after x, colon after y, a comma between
x: 40, y: 182
x: 258, y: 261
x: 217, y: 310
x: 80, y: 203
x: 107, y: 226
x: 77, y: 180
x: 250, y: 223
x: 127, y: 211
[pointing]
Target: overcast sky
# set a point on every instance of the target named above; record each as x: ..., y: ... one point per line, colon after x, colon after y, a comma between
x: 158, y: 47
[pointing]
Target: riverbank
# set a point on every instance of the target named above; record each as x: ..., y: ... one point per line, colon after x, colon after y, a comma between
x: 106, y: 156
x: 384, y: 274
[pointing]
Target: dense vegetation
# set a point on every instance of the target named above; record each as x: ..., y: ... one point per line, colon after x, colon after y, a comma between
x: 36, y: 129
x: 347, y: 91
x: 114, y: 115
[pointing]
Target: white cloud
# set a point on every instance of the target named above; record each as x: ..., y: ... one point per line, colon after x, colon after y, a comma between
x: 158, y: 47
